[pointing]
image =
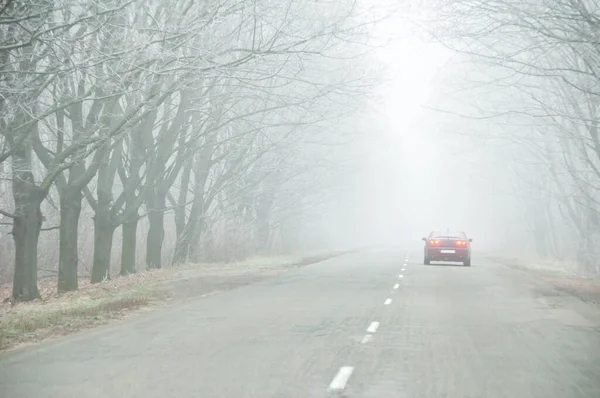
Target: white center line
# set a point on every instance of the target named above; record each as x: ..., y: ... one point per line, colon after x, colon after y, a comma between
x: 400, y: 276
x: 396, y: 286
x: 387, y: 301
x: 341, y: 378
x: 373, y: 327
x: 367, y: 338
x: 403, y: 269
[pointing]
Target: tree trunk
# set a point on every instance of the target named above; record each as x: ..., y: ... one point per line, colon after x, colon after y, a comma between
x: 182, y: 200
x: 104, y: 223
x: 194, y: 248
x: 26, y: 231
x: 103, y: 237
x: 540, y: 233
x: 263, y: 225
x: 587, y: 256
x: 182, y: 243
x: 553, y: 239
x: 129, y: 246
x: 156, y: 231
x: 186, y: 247
x: 182, y: 247
x: 70, y: 210
x: 27, y: 223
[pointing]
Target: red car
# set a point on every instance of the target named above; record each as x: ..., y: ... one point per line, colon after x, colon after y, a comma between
x: 447, y: 246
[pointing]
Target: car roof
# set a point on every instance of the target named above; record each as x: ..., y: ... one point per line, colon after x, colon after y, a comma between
x: 450, y: 234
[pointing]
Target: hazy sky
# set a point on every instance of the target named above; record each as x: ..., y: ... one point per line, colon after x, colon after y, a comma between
x: 402, y: 155
x: 423, y: 175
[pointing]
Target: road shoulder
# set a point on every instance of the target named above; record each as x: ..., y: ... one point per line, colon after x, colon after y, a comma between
x: 127, y: 296
x: 559, y: 286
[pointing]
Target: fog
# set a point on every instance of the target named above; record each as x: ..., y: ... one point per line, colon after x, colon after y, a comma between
x: 422, y: 170
x: 265, y: 129
x: 244, y: 193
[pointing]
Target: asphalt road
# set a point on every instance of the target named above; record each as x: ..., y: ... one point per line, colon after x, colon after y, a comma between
x: 360, y: 325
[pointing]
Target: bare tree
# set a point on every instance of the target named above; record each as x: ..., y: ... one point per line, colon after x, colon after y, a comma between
x: 541, y: 65
x: 147, y: 108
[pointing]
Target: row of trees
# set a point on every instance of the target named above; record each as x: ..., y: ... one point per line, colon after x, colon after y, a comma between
x: 535, y: 74
x: 218, y: 115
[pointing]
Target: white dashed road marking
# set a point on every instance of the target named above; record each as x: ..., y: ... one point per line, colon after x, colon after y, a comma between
x: 373, y: 327
x: 343, y: 375
x: 341, y: 378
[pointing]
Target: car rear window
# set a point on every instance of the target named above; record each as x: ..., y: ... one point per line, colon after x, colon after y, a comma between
x: 451, y: 234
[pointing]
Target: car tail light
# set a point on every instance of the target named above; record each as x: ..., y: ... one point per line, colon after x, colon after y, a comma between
x: 461, y: 243
x: 434, y: 242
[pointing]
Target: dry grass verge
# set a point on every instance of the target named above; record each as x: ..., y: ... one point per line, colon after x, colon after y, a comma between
x: 561, y: 278
x: 37, y: 320
x: 587, y: 289
x: 96, y: 304
x: 547, y: 269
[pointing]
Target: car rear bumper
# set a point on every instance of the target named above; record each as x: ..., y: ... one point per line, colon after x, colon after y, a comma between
x: 442, y: 254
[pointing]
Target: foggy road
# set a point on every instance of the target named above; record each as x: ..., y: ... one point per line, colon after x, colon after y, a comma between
x: 373, y: 324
